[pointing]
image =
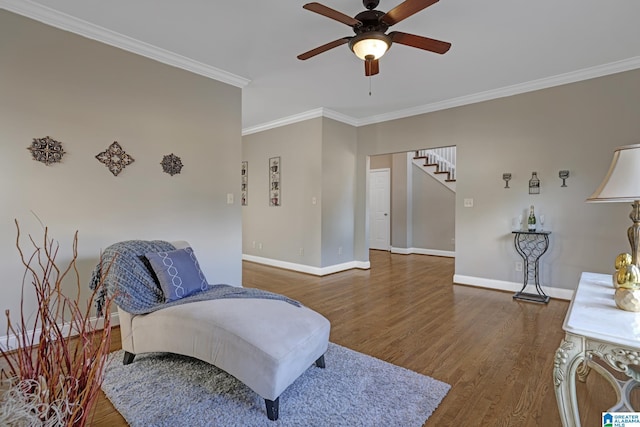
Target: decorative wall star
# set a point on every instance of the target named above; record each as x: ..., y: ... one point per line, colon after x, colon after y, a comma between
x: 171, y: 164
x: 46, y: 150
x: 115, y: 158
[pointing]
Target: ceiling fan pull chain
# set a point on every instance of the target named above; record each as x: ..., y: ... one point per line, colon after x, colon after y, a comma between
x: 369, y: 85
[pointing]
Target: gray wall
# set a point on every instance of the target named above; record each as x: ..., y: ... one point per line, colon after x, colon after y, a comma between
x: 297, y: 224
x: 315, y: 224
x: 434, y: 213
x: 423, y: 210
x: 401, y: 202
x: 382, y: 161
x: 88, y: 95
x: 338, y: 192
x: 574, y: 127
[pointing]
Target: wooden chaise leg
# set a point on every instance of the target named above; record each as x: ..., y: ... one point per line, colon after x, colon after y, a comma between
x: 128, y: 358
x: 273, y: 405
x: 272, y: 408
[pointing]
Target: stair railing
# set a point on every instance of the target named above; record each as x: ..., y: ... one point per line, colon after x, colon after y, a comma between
x: 444, y: 158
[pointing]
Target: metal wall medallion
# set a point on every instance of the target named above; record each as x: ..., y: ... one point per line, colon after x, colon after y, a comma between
x: 534, y: 184
x: 563, y: 175
x: 46, y: 150
x: 506, y: 177
x: 115, y: 158
x: 171, y: 164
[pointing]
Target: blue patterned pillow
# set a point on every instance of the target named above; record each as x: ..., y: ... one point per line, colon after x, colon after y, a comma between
x: 178, y: 272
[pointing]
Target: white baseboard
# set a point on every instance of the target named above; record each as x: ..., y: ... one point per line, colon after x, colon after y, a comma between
x: 560, y: 293
x: 420, y: 251
x: 316, y: 271
x: 10, y: 342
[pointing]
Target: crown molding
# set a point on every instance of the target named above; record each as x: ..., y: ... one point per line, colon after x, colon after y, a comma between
x: 300, y: 117
x: 561, y: 79
x: 330, y: 114
x: 72, y: 24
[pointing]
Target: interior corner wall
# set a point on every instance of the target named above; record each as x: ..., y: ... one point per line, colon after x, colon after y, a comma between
x: 574, y: 127
x: 338, y: 192
x: 87, y: 95
x: 290, y: 232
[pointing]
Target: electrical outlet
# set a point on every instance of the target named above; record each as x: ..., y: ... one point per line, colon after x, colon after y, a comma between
x: 301, y: 251
x: 339, y: 250
x: 254, y: 244
x: 260, y: 246
x: 518, y: 266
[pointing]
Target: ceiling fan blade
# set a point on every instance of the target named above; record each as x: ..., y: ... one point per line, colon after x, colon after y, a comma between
x: 371, y: 67
x: 425, y: 43
x: 332, y: 13
x: 405, y: 10
x: 323, y: 48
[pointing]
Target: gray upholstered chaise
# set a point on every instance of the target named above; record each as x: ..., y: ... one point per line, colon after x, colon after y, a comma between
x: 264, y: 343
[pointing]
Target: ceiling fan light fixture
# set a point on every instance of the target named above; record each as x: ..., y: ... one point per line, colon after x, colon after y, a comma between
x: 372, y: 45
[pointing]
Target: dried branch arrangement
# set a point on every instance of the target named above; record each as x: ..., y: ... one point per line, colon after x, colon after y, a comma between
x: 54, y: 375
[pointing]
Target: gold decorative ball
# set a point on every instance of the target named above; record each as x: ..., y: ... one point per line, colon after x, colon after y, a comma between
x: 627, y: 299
x: 628, y: 277
x: 623, y: 260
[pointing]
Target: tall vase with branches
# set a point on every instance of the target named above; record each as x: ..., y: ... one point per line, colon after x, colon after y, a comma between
x: 55, y: 371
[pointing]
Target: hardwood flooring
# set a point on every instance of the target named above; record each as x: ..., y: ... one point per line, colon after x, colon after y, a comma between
x: 496, y: 353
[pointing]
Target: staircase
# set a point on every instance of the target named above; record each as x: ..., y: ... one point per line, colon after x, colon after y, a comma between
x: 440, y: 163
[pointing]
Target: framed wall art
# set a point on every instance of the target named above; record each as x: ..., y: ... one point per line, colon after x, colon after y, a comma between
x: 244, y: 183
x: 275, y: 170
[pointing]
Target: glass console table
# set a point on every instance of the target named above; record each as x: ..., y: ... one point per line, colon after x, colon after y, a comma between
x: 531, y: 245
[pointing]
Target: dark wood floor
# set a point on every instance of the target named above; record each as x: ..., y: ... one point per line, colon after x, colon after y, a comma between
x: 496, y: 353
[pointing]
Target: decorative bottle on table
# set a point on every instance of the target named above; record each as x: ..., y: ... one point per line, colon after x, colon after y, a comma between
x: 531, y: 221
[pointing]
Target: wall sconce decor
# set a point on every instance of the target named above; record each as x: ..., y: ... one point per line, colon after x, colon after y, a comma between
x: 46, y: 150
x: 115, y: 158
x: 171, y: 164
x: 244, y: 186
x: 534, y: 184
x: 563, y: 176
x: 506, y: 177
x: 275, y: 166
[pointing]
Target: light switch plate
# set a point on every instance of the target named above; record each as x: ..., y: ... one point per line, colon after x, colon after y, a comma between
x: 468, y: 203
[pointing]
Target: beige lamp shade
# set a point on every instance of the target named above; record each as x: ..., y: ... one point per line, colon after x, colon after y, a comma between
x: 622, y: 182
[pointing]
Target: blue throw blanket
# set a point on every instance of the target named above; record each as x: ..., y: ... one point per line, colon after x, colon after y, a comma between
x: 127, y: 277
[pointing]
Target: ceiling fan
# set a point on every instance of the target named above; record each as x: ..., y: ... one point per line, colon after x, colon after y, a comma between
x: 370, y: 41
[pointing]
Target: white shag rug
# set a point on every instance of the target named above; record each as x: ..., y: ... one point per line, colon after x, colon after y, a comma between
x: 161, y: 389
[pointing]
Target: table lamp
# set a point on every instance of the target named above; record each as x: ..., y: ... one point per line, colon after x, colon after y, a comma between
x: 622, y: 184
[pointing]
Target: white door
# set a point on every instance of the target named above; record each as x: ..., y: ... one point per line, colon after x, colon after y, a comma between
x: 379, y: 209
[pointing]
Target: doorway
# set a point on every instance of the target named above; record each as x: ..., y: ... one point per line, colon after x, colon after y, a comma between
x: 380, y: 209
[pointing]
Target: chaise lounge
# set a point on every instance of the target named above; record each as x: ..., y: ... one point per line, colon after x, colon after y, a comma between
x: 263, y: 339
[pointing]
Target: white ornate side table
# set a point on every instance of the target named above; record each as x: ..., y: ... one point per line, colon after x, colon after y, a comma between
x: 595, y: 327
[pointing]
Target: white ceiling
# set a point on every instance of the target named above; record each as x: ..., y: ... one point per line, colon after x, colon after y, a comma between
x: 499, y: 47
